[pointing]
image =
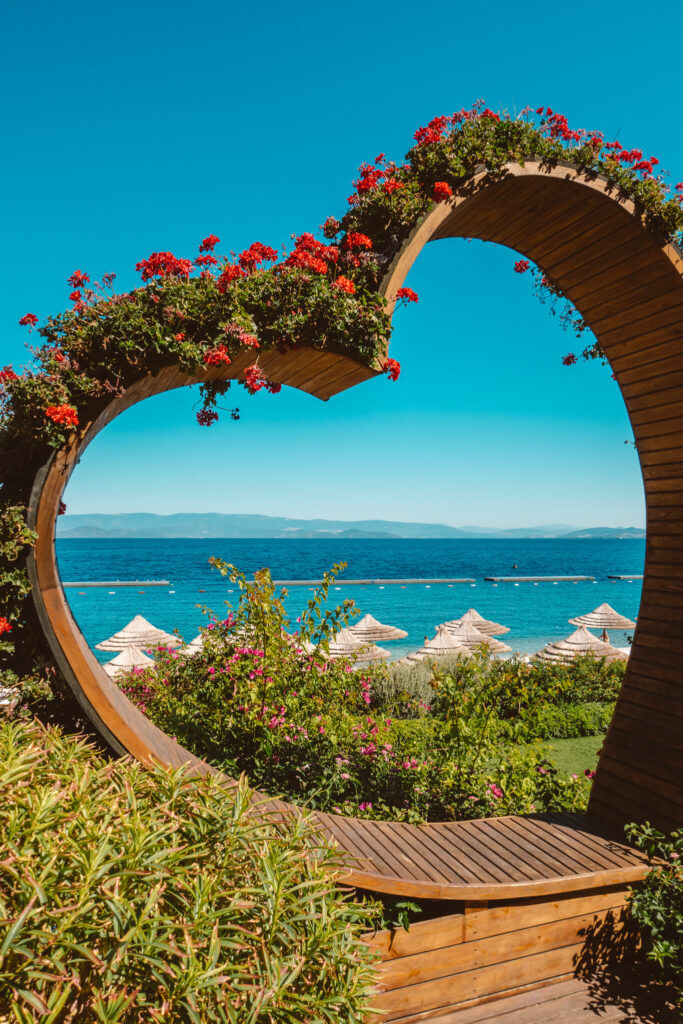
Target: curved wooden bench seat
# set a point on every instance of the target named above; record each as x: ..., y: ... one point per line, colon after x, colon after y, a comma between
x: 486, y: 859
x: 627, y: 281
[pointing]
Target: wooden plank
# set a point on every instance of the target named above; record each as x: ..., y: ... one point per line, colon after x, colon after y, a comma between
x: 449, y: 961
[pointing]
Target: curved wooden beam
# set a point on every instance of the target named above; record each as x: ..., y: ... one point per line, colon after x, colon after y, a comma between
x: 628, y: 284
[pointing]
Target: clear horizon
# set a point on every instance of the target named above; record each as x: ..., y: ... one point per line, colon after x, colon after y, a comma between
x: 484, y: 425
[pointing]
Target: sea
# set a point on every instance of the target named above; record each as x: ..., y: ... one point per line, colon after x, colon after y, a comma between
x: 536, y: 613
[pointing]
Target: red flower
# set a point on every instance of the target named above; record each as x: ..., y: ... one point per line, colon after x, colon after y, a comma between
x: 569, y: 359
x: 441, y: 191
x: 180, y: 336
x: 407, y: 294
x: 345, y: 285
x: 205, y: 417
x: 209, y: 243
x: 540, y: 110
x: 391, y: 185
x: 56, y: 354
x: 7, y: 373
x: 78, y: 279
x: 217, y: 357
x: 256, y: 254
x: 5, y: 625
x: 75, y: 296
x: 30, y: 320
x: 392, y: 368
x: 164, y: 264
x: 65, y: 415
x: 206, y: 261
x: 433, y: 132
x: 356, y: 240
x: 521, y: 266
x: 331, y: 227
x: 370, y: 178
x: 250, y: 340
x: 271, y: 386
x: 61, y: 511
x: 254, y: 379
x: 307, y: 261
x: 231, y: 273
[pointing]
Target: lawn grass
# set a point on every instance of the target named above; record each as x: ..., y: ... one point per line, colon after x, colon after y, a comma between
x: 576, y: 754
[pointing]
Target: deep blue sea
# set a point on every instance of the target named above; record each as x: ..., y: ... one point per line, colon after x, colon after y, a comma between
x: 535, y: 613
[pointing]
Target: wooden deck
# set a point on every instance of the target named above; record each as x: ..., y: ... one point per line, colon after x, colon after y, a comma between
x: 575, y: 1001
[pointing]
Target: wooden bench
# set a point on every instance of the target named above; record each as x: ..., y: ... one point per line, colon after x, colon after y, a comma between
x: 530, y: 896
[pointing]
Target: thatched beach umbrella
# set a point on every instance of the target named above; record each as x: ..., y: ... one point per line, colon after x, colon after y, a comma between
x: 138, y: 633
x: 130, y: 658
x: 473, y: 618
x: 603, y: 617
x: 471, y: 638
x: 580, y: 642
x: 442, y: 645
x: 345, y: 645
x: 369, y: 630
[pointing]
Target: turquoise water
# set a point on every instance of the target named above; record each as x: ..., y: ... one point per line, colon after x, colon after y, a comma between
x: 536, y: 614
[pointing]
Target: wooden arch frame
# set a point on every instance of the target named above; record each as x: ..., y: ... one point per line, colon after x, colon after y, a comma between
x: 628, y: 284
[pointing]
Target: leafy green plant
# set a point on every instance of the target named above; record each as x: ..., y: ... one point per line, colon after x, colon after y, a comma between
x: 131, y: 893
x: 657, y: 905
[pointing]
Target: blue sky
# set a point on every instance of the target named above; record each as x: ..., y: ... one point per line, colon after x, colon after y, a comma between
x: 144, y: 127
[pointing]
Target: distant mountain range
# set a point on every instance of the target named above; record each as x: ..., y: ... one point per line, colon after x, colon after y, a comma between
x: 215, y: 524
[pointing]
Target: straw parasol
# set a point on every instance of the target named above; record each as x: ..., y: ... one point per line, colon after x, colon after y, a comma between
x: 369, y: 629
x: 195, y: 646
x: 346, y: 645
x: 442, y: 645
x: 138, y: 633
x: 603, y: 617
x: 130, y: 658
x: 579, y: 643
x: 473, y: 618
x: 471, y: 638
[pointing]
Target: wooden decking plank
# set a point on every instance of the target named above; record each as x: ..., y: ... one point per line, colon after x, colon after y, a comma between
x: 484, y: 856
x: 520, y: 851
x: 417, y: 847
x: 484, y: 1012
x: 603, y: 855
x: 448, y: 842
x: 545, y: 848
x: 422, y: 842
x: 395, y: 860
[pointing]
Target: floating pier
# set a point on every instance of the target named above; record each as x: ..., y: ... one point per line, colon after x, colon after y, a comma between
x: 537, y: 579
x: 120, y: 583
x: 629, y: 576
x: 364, y: 583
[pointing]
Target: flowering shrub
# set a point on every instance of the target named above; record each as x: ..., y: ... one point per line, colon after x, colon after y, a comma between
x: 658, y: 905
x: 260, y: 700
x: 134, y: 894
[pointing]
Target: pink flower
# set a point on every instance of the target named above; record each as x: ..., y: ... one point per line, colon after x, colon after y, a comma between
x: 496, y: 791
x: 364, y: 807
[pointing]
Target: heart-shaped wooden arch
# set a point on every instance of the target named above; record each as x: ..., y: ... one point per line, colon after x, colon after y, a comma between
x: 627, y: 281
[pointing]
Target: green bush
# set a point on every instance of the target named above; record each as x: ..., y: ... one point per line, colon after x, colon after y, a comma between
x: 658, y: 905
x: 130, y: 894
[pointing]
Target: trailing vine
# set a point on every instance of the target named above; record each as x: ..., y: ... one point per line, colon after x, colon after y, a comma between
x: 201, y: 313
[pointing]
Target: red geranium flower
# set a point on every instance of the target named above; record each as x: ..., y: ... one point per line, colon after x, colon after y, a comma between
x: 30, y: 320
x: 356, y: 240
x: 78, y: 279
x: 206, y: 261
x: 217, y: 357
x: 407, y: 294
x: 391, y: 185
x: 345, y: 285
x: 7, y: 373
x: 5, y: 625
x: 569, y: 359
x: 521, y: 266
x: 205, y: 417
x: 392, y: 368
x: 209, y: 243
x: 180, y: 336
x: 164, y: 264
x: 61, y: 511
x: 64, y: 415
x: 441, y: 191
x: 256, y: 254
x: 231, y: 273
x: 253, y: 378
x: 75, y: 296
